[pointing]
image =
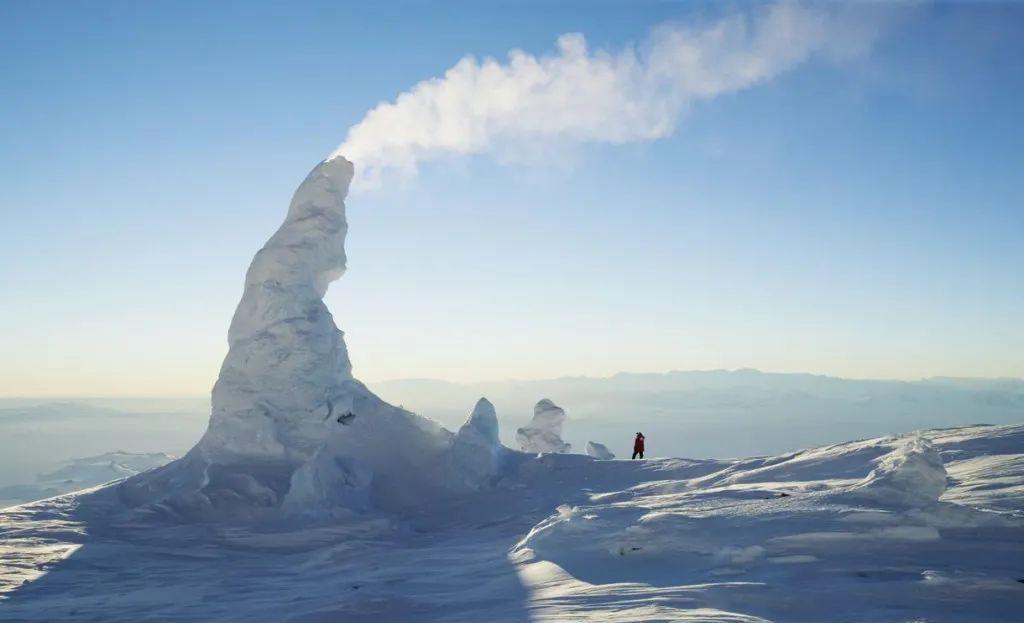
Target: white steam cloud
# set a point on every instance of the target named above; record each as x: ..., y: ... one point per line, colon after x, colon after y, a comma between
x: 579, y: 95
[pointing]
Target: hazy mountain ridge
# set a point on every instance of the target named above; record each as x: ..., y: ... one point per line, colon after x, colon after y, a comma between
x: 767, y: 412
x: 684, y: 413
x: 38, y: 435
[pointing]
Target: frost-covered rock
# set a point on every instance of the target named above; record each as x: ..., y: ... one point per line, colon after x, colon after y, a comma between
x: 290, y: 425
x: 599, y: 451
x: 544, y: 432
x: 476, y: 447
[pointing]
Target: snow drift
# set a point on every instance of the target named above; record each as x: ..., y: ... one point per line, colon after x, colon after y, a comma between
x: 912, y: 474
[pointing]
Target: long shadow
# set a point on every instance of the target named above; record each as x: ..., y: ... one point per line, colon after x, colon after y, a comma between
x: 446, y: 563
x: 373, y: 568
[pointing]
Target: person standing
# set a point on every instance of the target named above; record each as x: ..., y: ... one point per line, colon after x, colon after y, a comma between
x: 638, y: 446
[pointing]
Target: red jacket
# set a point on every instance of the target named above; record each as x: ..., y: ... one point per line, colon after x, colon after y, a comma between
x: 638, y: 445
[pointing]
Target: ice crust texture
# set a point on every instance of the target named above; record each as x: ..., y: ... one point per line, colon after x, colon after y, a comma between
x: 544, y: 432
x: 291, y: 428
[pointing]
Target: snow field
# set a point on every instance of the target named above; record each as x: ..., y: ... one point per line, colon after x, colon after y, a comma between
x: 824, y: 534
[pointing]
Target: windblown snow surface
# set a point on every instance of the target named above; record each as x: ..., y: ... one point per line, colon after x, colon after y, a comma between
x: 927, y: 527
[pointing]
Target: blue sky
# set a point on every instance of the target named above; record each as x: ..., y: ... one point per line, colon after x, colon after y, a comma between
x: 862, y: 218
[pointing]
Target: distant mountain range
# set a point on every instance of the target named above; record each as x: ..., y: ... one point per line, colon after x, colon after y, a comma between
x: 717, y: 413
x: 40, y: 436
x: 723, y: 412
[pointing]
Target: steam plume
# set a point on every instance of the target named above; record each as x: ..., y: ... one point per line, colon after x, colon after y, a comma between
x: 578, y: 95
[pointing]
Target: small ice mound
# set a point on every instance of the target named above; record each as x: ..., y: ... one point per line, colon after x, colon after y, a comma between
x: 599, y: 451
x: 544, y: 432
x: 912, y: 474
x: 476, y: 447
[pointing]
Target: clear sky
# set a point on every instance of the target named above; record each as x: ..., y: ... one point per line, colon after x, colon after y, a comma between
x: 863, y: 218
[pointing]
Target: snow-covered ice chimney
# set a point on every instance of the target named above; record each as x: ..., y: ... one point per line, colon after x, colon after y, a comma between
x: 291, y: 428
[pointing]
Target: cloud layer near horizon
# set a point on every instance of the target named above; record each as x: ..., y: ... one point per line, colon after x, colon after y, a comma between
x: 580, y: 95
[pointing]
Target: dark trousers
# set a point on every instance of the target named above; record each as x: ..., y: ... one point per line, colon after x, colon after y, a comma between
x: 636, y: 452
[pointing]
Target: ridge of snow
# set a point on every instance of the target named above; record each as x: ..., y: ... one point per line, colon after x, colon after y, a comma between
x: 912, y: 474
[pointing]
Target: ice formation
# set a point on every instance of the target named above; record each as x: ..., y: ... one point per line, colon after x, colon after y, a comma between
x: 599, y: 451
x: 544, y: 432
x: 476, y: 448
x: 290, y: 425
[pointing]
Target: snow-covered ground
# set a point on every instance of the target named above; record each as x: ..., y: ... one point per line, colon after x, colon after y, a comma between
x: 925, y: 527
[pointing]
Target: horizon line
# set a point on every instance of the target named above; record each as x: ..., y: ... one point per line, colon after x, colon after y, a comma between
x: 68, y: 396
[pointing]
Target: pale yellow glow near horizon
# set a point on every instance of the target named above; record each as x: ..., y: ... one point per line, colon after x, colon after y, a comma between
x: 179, y: 377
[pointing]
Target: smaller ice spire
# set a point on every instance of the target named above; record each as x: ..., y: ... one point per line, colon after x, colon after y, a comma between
x: 544, y: 432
